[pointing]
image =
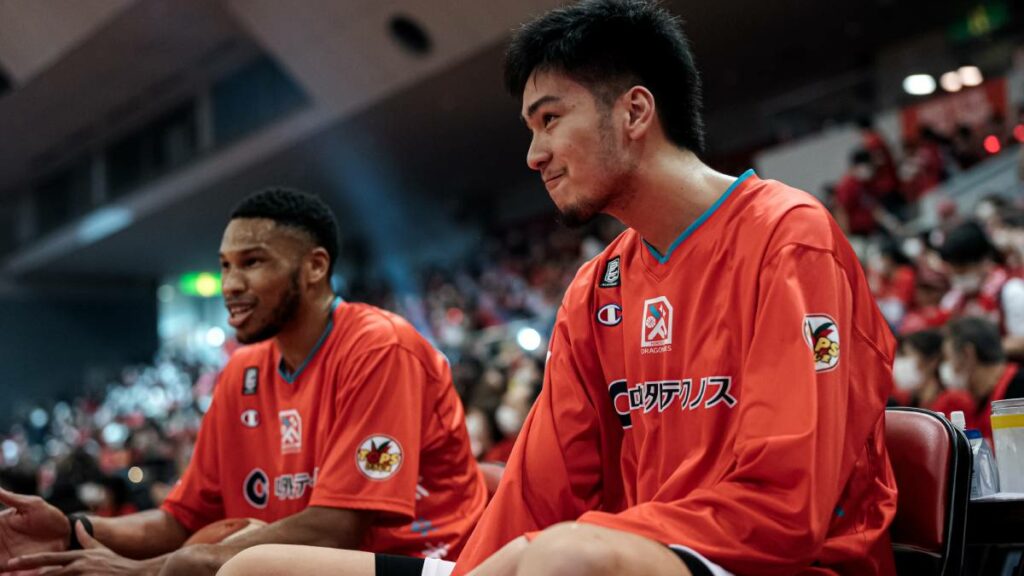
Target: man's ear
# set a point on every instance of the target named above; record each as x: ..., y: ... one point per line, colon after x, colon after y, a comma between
x: 317, y: 265
x: 640, y: 111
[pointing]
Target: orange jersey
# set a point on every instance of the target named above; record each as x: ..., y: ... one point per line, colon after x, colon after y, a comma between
x: 728, y: 398
x: 371, y: 421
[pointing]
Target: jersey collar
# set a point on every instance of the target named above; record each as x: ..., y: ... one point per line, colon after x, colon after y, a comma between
x: 290, y: 377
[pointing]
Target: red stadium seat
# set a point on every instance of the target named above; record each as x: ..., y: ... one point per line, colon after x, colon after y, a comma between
x: 932, y: 462
x: 492, y: 476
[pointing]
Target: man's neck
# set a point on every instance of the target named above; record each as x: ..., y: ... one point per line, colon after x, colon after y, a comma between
x: 303, y: 332
x: 669, y: 192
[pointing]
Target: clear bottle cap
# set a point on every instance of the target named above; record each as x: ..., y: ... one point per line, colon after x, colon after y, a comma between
x: 958, y: 420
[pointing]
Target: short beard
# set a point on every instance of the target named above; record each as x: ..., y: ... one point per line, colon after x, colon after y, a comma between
x: 283, y: 314
x: 578, y: 214
x: 584, y: 211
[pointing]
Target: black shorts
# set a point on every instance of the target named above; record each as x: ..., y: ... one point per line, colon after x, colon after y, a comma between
x: 389, y: 565
x: 696, y: 567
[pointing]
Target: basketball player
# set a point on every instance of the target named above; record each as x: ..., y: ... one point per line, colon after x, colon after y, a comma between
x: 339, y: 426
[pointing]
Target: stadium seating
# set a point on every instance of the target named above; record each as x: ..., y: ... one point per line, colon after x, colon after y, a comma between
x: 932, y: 462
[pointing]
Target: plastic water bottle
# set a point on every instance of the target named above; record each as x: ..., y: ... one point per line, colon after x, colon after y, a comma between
x: 985, y: 479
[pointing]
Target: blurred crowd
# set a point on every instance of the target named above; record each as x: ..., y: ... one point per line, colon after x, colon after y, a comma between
x: 117, y: 449
x: 953, y: 294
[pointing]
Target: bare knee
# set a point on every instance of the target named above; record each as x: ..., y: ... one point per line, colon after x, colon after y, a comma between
x: 256, y: 561
x: 562, y: 550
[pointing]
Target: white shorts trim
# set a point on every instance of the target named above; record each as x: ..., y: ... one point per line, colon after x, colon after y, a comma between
x: 714, y: 568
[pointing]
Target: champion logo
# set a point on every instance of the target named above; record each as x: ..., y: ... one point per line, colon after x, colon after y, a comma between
x: 610, y: 315
x: 251, y: 418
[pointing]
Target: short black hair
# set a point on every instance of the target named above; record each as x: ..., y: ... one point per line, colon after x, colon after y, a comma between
x: 927, y: 342
x: 966, y: 244
x: 980, y: 334
x: 609, y: 46
x: 295, y: 209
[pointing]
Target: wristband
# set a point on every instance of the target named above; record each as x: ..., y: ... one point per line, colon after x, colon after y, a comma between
x: 73, y: 519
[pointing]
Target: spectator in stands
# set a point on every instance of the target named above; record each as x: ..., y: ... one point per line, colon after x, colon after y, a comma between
x: 973, y: 360
x: 923, y: 167
x: 885, y: 183
x: 966, y: 147
x: 981, y: 286
x: 855, y: 201
x: 915, y: 372
x: 891, y: 277
x: 925, y: 311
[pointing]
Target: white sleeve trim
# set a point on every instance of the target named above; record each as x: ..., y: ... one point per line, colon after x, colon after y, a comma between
x: 714, y: 568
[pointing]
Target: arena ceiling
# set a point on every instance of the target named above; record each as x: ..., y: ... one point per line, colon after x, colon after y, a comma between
x: 437, y: 127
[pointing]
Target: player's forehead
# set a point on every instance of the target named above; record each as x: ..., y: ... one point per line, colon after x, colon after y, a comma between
x: 549, y: 85
x: 246, y: 234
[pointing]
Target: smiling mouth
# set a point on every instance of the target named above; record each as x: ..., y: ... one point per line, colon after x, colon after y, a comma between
x: 553, y: 180
x: 239, y: 313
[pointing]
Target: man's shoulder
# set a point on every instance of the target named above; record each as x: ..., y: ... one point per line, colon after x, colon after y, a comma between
x: 604, y: 270
x: 251, y: 355
x: 364, y: 327
x: 788, y: 215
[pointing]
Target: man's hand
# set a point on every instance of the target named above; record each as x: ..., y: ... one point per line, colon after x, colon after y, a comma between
x: 93, y: 558
x: 29, y: 525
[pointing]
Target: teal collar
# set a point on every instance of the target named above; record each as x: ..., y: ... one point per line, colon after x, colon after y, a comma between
x: 699, y: 221
x: 291, y: 377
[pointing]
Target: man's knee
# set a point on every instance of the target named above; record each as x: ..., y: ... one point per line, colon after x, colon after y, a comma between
x: 565, y: 550
x: 255, y: 561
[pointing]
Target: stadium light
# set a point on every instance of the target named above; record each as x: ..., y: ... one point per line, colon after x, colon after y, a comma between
x: 970, y: 75
x: 992, y: 144
x: 950, y: 81
x: 919, y: 84
x: 528, y: 339
x: 215, y: 337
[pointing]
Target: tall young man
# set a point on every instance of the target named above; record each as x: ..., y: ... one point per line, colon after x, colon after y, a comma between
x: 714, y: 395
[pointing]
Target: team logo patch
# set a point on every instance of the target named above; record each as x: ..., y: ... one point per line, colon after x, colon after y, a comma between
x: 251, y: 382
x: 291, y: 431
x: 610, y: 315
x: 250, y: 418
x: 822, y: 336
x: 611, y: 277
x: 656, y: 332
x: 257, y: 488
x: 379, y: 457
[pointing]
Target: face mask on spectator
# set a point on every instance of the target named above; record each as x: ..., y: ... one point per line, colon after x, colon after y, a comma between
x: 509, y: 420
x: 913, y: 248
x: 968, y: 283
x: 951, y: 378
x: 906, y: 375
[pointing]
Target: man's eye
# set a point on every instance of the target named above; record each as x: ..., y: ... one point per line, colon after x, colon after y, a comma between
x: 548, y: 119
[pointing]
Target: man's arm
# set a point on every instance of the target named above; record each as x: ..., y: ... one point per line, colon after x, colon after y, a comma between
x: 314, y: 526
x: 555, y: 471
x: 140, y: 535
